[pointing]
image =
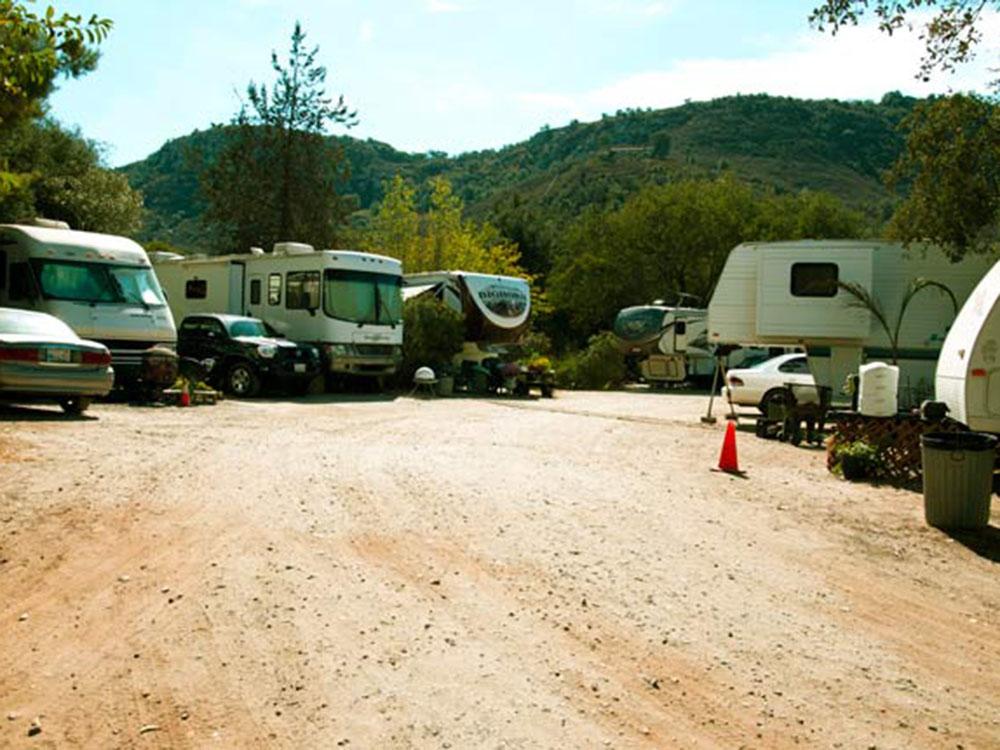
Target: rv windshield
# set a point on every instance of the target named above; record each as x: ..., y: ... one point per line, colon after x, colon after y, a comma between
x: 363, y: 296
x: 97, y: 282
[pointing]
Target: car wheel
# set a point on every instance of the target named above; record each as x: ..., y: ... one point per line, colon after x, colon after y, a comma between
x: 773, y: 396
x: 242, y: 380
x: 76, y: 405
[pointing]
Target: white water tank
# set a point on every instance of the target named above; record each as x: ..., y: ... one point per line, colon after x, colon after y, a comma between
x: 878, y: 384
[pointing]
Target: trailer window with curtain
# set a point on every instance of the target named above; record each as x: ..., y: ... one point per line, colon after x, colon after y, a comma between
x: 274, y: 289
x: 814, y: 279
x: 302, y: 290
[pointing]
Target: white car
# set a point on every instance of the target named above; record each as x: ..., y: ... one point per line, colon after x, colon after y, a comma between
x: 757, y: 385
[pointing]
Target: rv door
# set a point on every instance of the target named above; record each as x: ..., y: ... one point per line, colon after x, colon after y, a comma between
x: 236, y: 295
x: 255, y: 296
x: 680, y: 336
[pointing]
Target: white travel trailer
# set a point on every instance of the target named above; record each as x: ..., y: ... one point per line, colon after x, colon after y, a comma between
x: 968, y: 371
x: 101, y: 285
x: 496, y: 308
x: 346, y: 303
x: 788, y: 293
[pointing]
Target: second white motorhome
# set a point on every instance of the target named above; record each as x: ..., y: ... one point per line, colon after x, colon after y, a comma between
x: 346, y: 303
x: 968, y: 371
x: 101, y: 285
x: 790, y: 294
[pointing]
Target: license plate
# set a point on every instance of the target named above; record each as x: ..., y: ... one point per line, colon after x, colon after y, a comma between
x: 58, y: 355
x: 300, y: 367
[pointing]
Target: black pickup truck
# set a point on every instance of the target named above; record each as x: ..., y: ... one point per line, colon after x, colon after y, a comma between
x: 245, y: 355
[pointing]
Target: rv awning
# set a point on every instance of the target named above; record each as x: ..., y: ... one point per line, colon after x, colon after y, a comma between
x: 409, y: 292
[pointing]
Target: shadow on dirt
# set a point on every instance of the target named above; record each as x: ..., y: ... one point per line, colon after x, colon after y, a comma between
x: 984, y: 542
x: 11, y: 413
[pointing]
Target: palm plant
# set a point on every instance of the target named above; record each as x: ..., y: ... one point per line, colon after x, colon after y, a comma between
x: 865, y: 300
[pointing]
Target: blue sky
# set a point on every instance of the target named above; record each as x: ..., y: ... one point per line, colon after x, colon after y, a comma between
x: 459, y: 75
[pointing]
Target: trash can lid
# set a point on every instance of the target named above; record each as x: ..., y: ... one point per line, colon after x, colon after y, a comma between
x: 960, y: 441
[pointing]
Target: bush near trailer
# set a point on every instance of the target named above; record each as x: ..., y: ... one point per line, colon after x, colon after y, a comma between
x: 433, y: 336
x: 598, y: 367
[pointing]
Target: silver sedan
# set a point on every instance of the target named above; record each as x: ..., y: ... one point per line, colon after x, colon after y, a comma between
x: 42, y: 359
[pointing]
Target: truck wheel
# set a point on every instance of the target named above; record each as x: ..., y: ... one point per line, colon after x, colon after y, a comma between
x: 76, y: 405
x: 242, y: 380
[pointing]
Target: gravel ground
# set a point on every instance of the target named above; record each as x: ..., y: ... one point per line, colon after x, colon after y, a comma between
x: 396, y: 573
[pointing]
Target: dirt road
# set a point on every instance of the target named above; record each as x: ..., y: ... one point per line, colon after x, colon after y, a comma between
x: 470, y: 574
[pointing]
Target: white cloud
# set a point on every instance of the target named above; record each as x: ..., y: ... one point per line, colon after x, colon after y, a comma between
x: 642, y: 8
x: 858, y: 63
x: 366, y: 32
x: 443, y: 6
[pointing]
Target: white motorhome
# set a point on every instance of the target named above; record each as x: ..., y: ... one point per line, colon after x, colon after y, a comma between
x: 789, y: 294
x: 101, y: 285
x: 496, y: 308
x: 347, y: 303
x: 968, y: 371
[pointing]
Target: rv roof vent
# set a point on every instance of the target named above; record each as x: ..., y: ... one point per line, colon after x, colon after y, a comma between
x: 256, y: 251
x: 292, y: 248
x: 161, y: 256
x: 49, y: 223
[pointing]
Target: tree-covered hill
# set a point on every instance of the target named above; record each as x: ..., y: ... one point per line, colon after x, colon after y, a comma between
x: 779, y: 144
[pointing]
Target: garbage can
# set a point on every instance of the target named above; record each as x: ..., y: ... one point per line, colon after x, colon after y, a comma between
x: 958, y: 478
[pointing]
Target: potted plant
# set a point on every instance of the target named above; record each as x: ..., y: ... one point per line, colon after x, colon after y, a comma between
x: 858, y: 460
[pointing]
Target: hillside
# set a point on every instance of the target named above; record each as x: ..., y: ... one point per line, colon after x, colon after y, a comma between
x: 776, y: 143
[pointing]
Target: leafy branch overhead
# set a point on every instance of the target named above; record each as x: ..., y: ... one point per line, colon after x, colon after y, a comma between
x: 950, y: 35
x: 36, y: 48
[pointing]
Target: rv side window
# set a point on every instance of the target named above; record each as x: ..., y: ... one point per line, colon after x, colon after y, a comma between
x: 302, y: 290
x: 254, y: 291
x: 680, y: 328
x: 274, y: 289
x: 814, y: 279
x: 196, y: 289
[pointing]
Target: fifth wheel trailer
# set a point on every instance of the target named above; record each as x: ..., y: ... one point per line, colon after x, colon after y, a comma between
x: 790, y: 294
x: 346, y: 303
x: 496, y: 308
x: 968, y: 371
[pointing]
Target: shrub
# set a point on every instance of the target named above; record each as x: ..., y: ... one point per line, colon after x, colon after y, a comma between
x: 598, y: 367
x: 432, y: 335
x: 857, y: 460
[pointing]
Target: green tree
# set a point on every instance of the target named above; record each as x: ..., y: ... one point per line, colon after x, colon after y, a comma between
x: 675, y: 238
x: 278, y: 175
x: 36, y: 48
x: 59, y: 174
x: 951, y: 169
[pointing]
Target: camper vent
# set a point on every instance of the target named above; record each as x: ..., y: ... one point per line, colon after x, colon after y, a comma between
x: 49, y: 223
x: 256, y: 251
x: 292, y: 248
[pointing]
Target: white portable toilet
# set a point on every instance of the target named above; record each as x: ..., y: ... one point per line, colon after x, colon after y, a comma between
x: 878, y: 384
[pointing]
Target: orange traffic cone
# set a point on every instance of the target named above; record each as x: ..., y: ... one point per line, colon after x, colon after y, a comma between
x: 727, y: 460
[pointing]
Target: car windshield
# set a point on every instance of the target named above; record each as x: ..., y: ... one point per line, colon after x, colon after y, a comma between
x: 363, y: 296
x: 247, y: 327
x: 15, y: 321
x: 97, y: 282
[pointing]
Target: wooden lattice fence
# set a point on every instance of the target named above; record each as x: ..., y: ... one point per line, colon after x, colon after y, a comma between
x: 896, y: 438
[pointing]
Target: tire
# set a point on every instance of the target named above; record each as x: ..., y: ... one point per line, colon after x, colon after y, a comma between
x: 775, y: 395
x: 242, y: 380
x: 76, y: 405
